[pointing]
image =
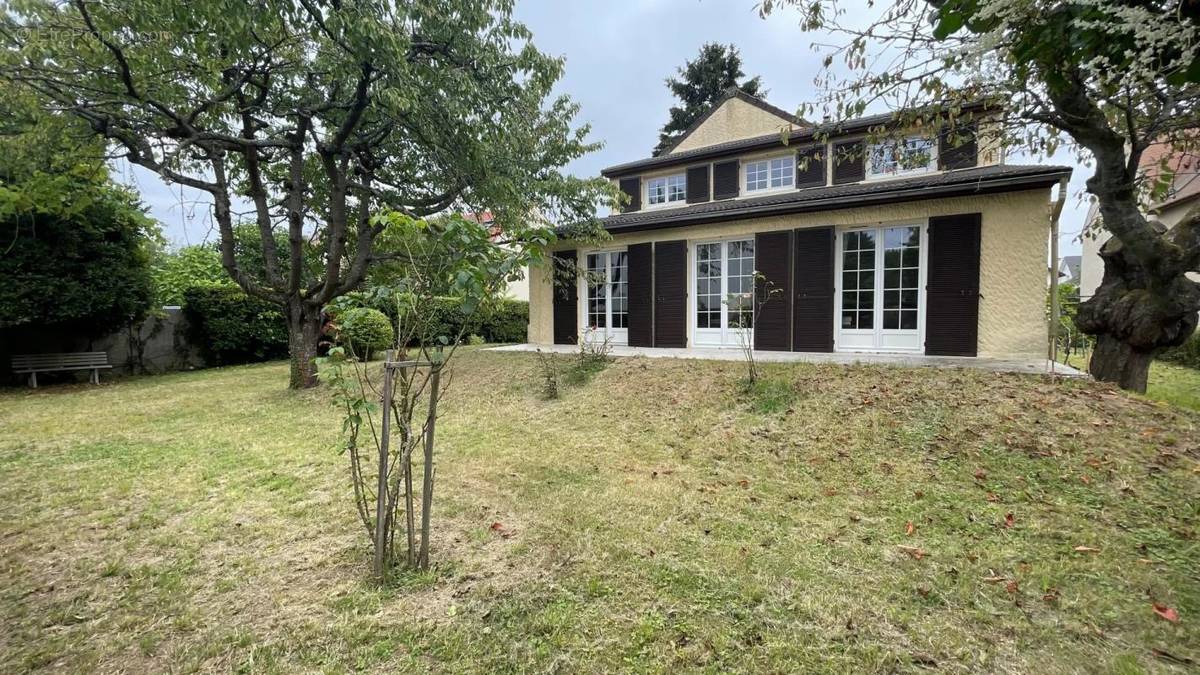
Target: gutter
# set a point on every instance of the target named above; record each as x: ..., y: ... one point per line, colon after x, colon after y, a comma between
x: 1055, y: 310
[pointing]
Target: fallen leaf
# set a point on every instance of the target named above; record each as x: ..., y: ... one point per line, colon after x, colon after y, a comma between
x: 1051, y: 595
x: 1009, y: 520
x: 1011, y: 586
x: 994, y: 579
x: 980, y: 474
x: 744, y: 484
x: 1167, y: 613
x: 909, y: 528
x: 913, y: 551
x: 918, y: 494
x: 497, y: 526
x: 1168, y: 656
x: 1086, y: 549
x: 993, y: 497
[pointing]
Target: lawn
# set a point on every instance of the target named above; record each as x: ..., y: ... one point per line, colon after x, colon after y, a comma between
x: 651, y: 519
x: 1168, y: 382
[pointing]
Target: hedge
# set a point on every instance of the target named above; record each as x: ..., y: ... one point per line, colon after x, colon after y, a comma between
x: 229, y: 326
x: 366, y: 330
x: 1186, y: 354
x: 498, y: 321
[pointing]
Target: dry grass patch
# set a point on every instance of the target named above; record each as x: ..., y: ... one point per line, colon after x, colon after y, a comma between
x: 656, y: 518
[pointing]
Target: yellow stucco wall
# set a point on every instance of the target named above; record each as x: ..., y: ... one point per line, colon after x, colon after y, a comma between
x: 1012, y: 270
x: 734, y: 120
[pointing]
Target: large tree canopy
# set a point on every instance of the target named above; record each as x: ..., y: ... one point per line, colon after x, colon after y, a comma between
x: 1111, y: 77
x: 74, y: 247
x: 700, y: 83
x: 320, y: 113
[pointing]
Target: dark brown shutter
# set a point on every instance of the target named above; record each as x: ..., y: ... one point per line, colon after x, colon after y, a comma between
x: 958, y: 149
x: 697, y: 184
x: 725, y: 180
x: 952, y: 292
x: 812, y: 175
x: 641, y: 295
x: 848, y: 162
x: 773, y: 320
x: 566, y: 291
x: 812, y: 281
x: 670, y: 294
x: 633, y: 188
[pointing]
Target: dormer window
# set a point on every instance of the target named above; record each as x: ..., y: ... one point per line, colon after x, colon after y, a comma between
x: 666, y: 190
x: 898, y: 157
x: 771, y: 174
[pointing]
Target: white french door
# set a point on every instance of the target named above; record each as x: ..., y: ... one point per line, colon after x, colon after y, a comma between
x: 881, y: 303
x: 606, y: 302
x: 723, y: 276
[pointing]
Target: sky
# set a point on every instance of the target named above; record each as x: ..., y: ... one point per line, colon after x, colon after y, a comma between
x: 618, y: 54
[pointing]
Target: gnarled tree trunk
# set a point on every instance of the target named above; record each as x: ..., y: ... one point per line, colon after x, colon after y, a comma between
x: 304, y: 336
x: 1136, y: 313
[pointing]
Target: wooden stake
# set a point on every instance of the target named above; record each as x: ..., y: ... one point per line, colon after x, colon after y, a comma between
x: 381, y: 517
x: 427, y: 488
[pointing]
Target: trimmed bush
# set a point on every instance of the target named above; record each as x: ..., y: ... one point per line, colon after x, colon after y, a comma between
x: 366, y: 330
x: 498, y: 321
x: 229, y: 326
x: 1186, y: 354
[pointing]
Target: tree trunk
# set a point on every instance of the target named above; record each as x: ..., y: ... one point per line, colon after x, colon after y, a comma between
x: 1117, y: 362
x: 304, y: 334
x: 1135, y: 314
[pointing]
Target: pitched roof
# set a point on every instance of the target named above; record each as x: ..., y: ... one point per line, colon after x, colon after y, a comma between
x: 734, y: 92
x: 766, y: 141
x: 979, y: 180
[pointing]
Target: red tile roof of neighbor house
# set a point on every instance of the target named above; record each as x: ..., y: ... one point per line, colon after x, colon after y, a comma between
x: 1185, y: 165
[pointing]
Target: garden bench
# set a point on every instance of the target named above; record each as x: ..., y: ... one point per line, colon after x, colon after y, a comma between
x: 44, y: 363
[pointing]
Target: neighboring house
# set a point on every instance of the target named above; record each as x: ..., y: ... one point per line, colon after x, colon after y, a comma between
x: 515, y: 290
x: 1182, y: 194
x: 909, y: 246
x: 1068, y: 269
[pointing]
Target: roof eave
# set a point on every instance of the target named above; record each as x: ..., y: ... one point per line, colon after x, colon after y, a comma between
x: 982, y: 186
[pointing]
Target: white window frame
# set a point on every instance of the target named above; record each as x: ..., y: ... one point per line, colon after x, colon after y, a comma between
x: 931, y: 166
x: 877, y: 338
x: 616, y: 336
x: 725, y: 336
x: 681, y: 181
x: 745, y: 173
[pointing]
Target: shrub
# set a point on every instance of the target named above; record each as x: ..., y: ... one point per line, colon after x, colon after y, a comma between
x: 365, y: 330
x: 229, y: 326
x: 1186, y: 354
x: 505, y: 321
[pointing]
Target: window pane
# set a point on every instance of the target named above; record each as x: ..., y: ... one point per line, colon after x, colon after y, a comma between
x: 891, y: 299
x: 849, y: 320
x: 908, y: 299
x: 850, y: 300
x: 866, y: 299
x: 891, y: 279
x: 849, y: 281
x: 849, y: 261
x: 909, y: 278
x: 866, y: 320
x: 866, y: 279
x: 891, y: 320
x: 908, y: 320
x: 891, y: 258
x: 912, y: 257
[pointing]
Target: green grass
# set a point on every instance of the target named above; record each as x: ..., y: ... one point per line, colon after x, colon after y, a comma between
x: 659, y: 519
x: 1168, y: 382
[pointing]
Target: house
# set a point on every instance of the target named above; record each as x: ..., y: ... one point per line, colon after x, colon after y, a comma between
x: 1182, y: 194
x: 1068, y: 269
x: 929, y: 244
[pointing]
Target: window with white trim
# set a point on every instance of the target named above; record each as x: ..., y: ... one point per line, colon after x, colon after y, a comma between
x: 666, y: 189
x: 724, y: 283
x: 607, y: 291
x: 897, y: 157
x: 771, y: 174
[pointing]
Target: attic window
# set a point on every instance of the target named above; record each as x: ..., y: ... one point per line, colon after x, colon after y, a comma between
x: 898, y: 157
x: 666, y: 190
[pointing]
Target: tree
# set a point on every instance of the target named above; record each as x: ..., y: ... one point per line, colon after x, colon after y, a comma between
x: 701, y: 83
x: 193, y: 266
x: 321, y: 113
x: 74, y: 247
x: 1110, y: 77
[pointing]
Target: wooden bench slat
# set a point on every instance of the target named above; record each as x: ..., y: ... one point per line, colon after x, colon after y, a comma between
x: 25, y: 363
